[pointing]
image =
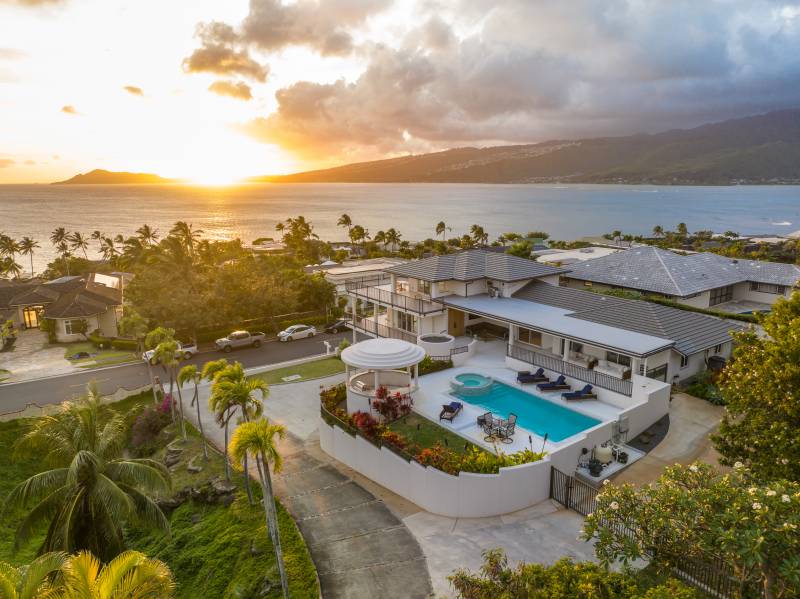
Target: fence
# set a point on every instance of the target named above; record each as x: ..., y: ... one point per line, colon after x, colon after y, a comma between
x: 555, y: 364
x: 368, y: 325
x: 711, y: 576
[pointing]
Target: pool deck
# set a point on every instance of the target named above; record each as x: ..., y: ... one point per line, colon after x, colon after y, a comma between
x: 434, y: 391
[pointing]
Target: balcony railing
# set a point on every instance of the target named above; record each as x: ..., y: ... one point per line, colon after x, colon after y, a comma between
x: 555, y: 364
x: 369, y: 325
x: 395, y: 300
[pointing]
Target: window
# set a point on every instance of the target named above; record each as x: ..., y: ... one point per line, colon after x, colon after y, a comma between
x: 72, y: 327
x: 620, y: 359
x: 718, y: 349
x: 443, y: 286
x: 768, y: 288
x: 529, y: 336
x: 576, y: 347
x: 406, y: 322
x: 720, y: 295
x: 424, y: 286
x: 587, y: 283
x: 684, y: 361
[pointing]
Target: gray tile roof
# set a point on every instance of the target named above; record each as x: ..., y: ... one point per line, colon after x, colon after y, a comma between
x: 662, y: 271
x: 691, y: 332
x: 471, y: 265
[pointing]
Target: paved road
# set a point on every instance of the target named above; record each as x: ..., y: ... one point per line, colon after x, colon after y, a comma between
x: 16, y: 396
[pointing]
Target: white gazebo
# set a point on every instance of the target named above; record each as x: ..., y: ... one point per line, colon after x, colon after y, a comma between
x: 375, y: 363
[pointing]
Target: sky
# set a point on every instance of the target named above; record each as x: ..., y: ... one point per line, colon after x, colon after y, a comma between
x: 213, y: 90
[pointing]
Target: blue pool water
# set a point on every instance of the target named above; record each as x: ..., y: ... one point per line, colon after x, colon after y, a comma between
x: 472, y: 380
x: 533, y: 413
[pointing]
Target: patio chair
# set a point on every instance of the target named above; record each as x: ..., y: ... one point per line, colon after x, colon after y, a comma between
x: 489, y: 425
x: 537, y: 377
x: 507, y: 429
x: 556, y: 385
x: 450, y: 410
x: 585, y: 393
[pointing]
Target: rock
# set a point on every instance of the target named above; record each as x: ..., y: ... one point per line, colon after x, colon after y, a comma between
x: 225, y: 500
x: 222, y: 487
x: 192, y: 467
x: 196, y: 518
x: 172, y: 455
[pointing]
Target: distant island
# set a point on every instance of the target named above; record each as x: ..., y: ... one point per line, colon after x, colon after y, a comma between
x: 103, y: 177
x: 762, y: 149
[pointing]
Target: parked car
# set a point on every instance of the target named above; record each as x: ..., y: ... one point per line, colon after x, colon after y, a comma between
x: 337, y: 326
x: 185, y: 351
x: 239, y: 339
x: 297, y: 331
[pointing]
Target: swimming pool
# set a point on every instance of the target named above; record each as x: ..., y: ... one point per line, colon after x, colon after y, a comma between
x: 533, y: 413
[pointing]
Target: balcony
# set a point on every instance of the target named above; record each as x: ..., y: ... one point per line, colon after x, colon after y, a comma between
x: 378, y: 329
x: 409, y: 302
x: 555, y: 364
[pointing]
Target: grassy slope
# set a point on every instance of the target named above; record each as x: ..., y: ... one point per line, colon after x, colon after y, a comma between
x: 225, y: 553
x: 309, y: 370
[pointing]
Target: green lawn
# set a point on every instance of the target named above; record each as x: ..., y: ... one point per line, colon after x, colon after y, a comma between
x: 421, y: 431
x: 4, y: 374
x: 99, y: 357
x: 213, y: 551
x: 309, y: 370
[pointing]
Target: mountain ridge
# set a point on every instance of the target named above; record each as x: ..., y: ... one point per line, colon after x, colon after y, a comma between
x: 103, y: 177
x: 749, y: 150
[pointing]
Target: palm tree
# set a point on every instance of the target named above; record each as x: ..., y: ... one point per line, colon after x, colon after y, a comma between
x: 93, y: 490
x: 359, y: 233
x: 441, y: 228
x: 97, y: 235
x: 9, y: 267
x: 63, y: 249
x: 186, y: 234
x: 658, y: 231
x: 8, y: 246
x: 58, y: 236
x: 393, y: 236
x: 33, y: 580
x: 380, y: 237
x: 479, y: 236
x: 258, y: 439
x: 683, y: 230
x: 211, y: 370
x: 147, y: 235
x: 187, y: 374
x: 78, y: 241
x: 26, y: 247
x: 167, y: 354
x: 616, y: 235
x: 108, y: 249
x: 131, y: 575
x: 345, y: 221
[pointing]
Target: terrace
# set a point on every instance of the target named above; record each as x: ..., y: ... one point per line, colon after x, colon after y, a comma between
x: 399, y: 296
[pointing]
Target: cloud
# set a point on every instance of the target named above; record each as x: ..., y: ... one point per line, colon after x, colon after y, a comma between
x: 493, y: 71
x: 31, y: 3
x: 68, y: 109
x: 234, y: 89
x: 6, y: 162
x: 220, y: 53
x: 133, y: 90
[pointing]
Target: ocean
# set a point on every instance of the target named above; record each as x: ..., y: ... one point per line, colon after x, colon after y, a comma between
x: 251, y: 211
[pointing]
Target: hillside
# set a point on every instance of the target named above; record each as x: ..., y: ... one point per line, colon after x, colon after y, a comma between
x: 758, y: 149
x: 102, y: 177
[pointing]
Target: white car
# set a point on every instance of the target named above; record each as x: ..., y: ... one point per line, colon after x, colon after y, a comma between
x: 297, y: 331
x: 185, y: 351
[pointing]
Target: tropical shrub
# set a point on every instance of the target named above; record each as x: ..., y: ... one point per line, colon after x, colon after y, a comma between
x: 147, y: 428
x: 563, y: 580
x: 367, y: 424
x: 394, y: 439
x: 427, y: 366
x: 704, y: 386
x: 391, y: 405
x: 698, y: 513
x: 48, y: 325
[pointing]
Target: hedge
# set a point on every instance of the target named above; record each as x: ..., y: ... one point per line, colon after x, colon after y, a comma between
x: 114, y: 342
x: 311, y: 321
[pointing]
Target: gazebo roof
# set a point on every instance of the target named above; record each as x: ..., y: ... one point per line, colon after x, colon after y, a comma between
x: 383, y: 354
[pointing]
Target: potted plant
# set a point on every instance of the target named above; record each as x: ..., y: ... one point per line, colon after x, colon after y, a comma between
x: 595, y: 467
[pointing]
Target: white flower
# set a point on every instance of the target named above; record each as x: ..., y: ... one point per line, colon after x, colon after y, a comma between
x: 693, y: 468
x: 785, y: 498
x: 771, y: 493
x: 614, y: 505
x: 784, y: 461
x: 752, y: 490
x: 606, y: 482
x: 756, y: 506
x: 738, y: 465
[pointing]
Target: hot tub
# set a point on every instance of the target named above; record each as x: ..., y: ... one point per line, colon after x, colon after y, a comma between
x: 471, y: 384
x: 436, y: 344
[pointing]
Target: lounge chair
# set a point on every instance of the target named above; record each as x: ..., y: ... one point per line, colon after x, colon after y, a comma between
x: 450, y: 411
x: 585, y: 393
x: 507, y: 428
x: 536, y: 377
x: 556, y: 385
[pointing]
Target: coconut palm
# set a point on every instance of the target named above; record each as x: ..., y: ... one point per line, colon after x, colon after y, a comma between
x: 167, y: 354
x: 479, y: 236
x: 8, y: 246
x: 32, y: 581
x: 359, y: 234
x: 130, y: 575
x: 9, y: 267
x: 26, y: 247
x: 77, y: 241
x: 191, y: 374
x: 257, y: 438
x: 92, y: 490
x: 211, y: 371
x: 683, y: 230
x: 147, y: 235
x: 187, y: 234
x: 441, y: 228
x: 345, y: 221
x: 393, y: 237
x: 658, y: 231
x: 380, y: 237
x: 63, y: 249
x: 97, y: 235
x: 58, y: 235
x: 108, y: 249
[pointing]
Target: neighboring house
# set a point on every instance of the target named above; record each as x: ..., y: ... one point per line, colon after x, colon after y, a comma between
x: 603, y: 339
x: 557, y: 257
x: 363, y: 271
x: 96, y: 298
x: 702, y: 280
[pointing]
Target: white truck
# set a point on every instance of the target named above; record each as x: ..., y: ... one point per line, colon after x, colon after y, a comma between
x: 185, y: 351
x: 239, y: 339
